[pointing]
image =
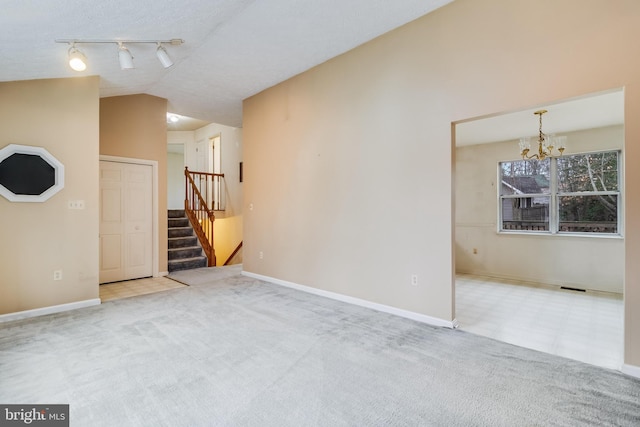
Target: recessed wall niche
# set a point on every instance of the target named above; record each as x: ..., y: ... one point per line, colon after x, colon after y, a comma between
x: 29, y: 174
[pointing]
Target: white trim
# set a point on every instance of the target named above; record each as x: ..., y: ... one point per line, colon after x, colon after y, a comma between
x: 357, y: 301
x: 154, y: 166
x: 49, y: 310
x: 58, y: 168
x: 631, y: 370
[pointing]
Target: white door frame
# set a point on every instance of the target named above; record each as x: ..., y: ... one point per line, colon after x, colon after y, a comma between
x: 154, y: 202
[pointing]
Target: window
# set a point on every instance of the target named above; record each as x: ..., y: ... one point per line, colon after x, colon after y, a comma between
x: 29, y: 174
x: 571, y: 194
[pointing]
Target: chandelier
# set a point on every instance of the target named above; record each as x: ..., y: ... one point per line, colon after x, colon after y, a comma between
x: 546, y: 143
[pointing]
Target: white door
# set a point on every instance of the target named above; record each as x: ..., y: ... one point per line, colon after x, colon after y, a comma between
x: 201, y: 156
x: 126, y: 239
x: 202, y: 166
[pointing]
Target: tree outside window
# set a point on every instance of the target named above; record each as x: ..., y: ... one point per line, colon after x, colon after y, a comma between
x: 571, y: 194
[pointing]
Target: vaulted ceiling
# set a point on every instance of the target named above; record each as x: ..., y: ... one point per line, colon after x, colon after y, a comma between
x: 232, y: 48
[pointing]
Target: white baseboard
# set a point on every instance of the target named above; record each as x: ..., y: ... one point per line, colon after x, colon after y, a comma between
x: 163, y: 273
x: 48, y: 310
x: 589, y: 287
x: 435, y: 321
x: 631, y: 370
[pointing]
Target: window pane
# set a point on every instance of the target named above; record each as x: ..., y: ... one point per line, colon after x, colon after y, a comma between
x: 525, y: 177
x: 588, y: 172
x: 588, y: 214
x: 525, y: 213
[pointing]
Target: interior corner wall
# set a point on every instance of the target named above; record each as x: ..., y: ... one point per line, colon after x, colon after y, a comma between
x: 60, y: 115
x: 348, y: 165
x: 584, y: 262
x: 135, y: 126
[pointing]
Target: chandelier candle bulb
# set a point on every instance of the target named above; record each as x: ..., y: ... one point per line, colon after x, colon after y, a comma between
x: 525, y: 146
x: 561, y: 142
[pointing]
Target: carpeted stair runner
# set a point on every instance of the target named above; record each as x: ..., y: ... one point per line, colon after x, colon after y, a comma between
x: 185, y: 252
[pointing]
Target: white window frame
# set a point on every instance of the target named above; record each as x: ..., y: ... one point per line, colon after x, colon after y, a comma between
x: 554, y: 195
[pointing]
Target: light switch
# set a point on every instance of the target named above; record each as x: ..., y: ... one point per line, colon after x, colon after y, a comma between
x: 76, y: 204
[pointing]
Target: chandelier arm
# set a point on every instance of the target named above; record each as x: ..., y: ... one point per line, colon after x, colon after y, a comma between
x: 531, y: 157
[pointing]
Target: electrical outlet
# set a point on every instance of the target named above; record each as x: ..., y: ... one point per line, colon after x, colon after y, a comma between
x: 261, y: 255
x: 414, y: 279
x: 475, y: 251
x: 57, y: 275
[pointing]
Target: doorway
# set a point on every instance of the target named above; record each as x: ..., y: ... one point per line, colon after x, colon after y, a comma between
x: 508, y: 284
x: 127, y: 221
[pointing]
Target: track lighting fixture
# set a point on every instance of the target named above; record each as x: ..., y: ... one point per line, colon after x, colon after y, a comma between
x: 125, y: 57
x: 78, y: 61
x: 163, y: 56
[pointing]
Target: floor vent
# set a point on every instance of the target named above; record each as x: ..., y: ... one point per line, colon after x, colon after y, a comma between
x: 573, y: 289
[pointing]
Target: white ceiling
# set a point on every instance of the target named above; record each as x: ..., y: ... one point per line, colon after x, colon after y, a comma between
x: 184, y: 123
x: 587, y: 112
x: 233, y: 48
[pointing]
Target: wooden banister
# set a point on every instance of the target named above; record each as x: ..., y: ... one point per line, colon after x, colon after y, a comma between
x: 200, y: 215
x: 211, y: 188
x: 235, y: 251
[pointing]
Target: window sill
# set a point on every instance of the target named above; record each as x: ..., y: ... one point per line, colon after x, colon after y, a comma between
x: 614, y: 236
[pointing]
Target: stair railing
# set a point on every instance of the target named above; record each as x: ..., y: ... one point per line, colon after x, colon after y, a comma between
x: 234, y: 253
x: 199, y: 212
x: 211, y: 187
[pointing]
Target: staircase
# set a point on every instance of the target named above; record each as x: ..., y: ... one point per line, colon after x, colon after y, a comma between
x: 185, y: 252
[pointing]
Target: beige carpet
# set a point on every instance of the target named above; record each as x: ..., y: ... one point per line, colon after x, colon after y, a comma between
x: 235, y: 351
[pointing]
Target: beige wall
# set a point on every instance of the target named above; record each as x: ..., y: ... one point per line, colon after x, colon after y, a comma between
x: 135, y: 126
x: 175, y: 167
x: 36, y: 239
x: 175, y: 181
x: 348, y: 165
x: 595, y: 263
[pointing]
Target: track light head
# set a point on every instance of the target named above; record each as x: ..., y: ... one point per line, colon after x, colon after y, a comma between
x: 125, y: 57
x: 77, y: 60
x: 163, y: 56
